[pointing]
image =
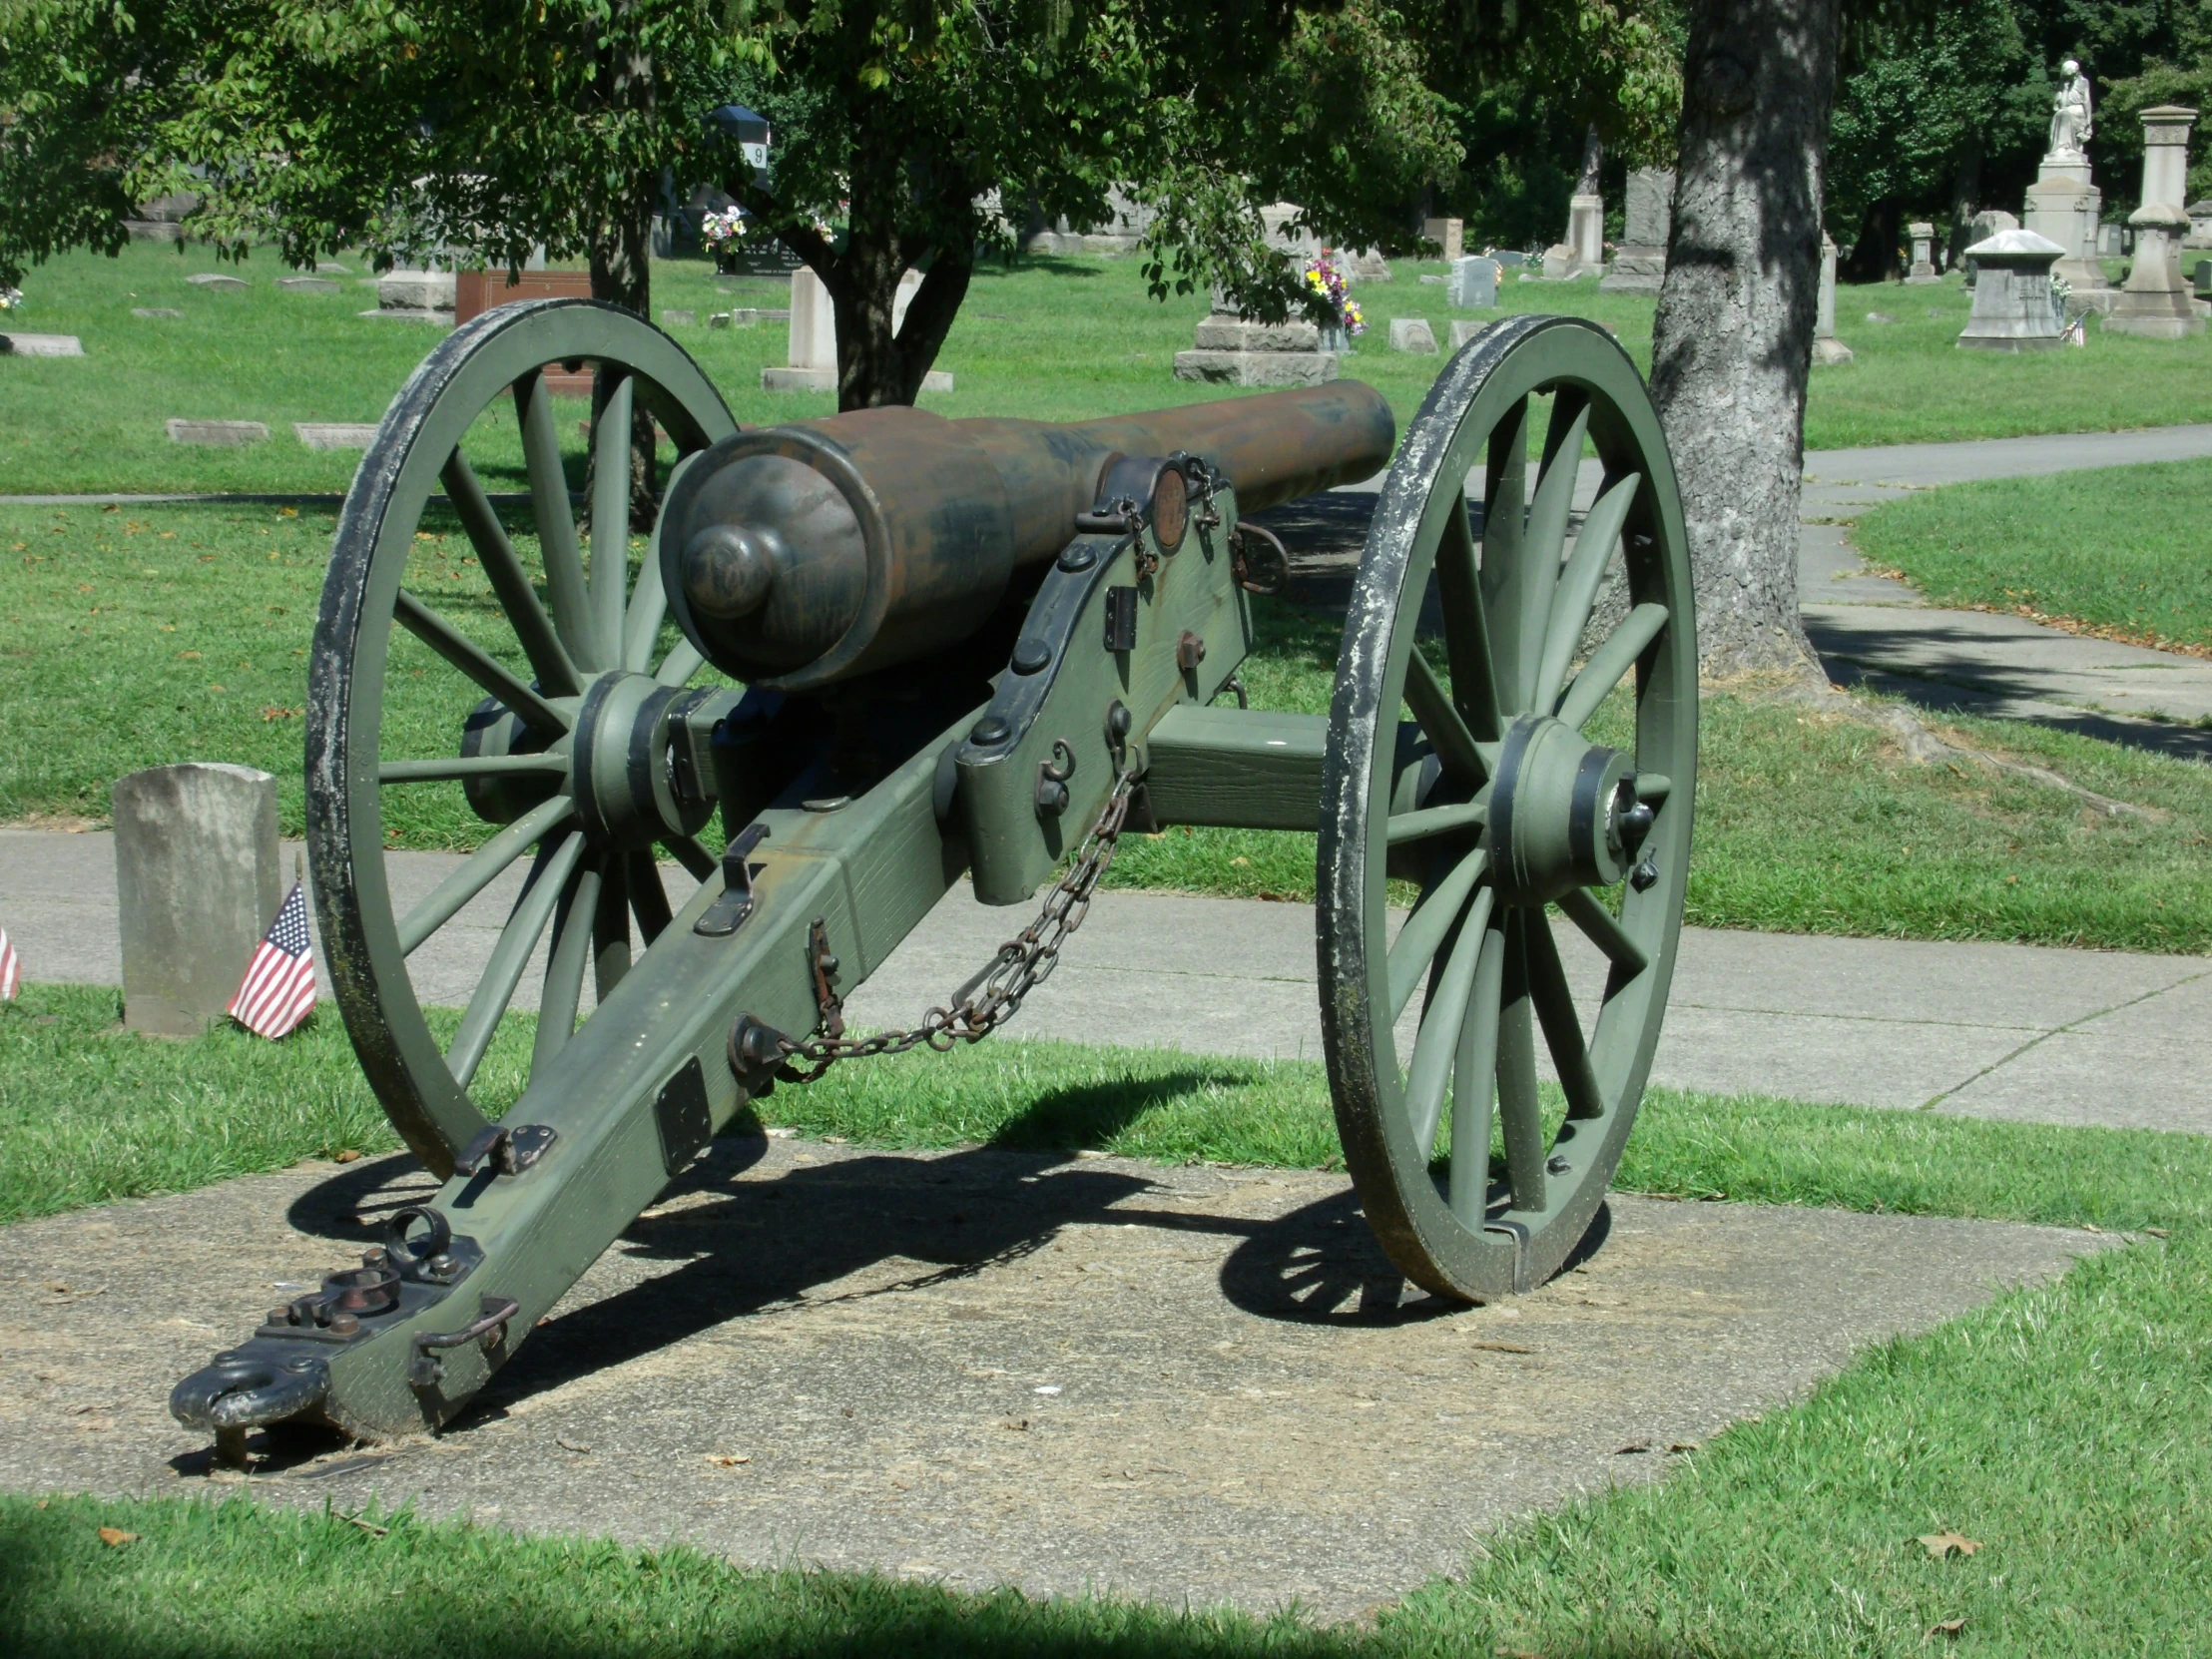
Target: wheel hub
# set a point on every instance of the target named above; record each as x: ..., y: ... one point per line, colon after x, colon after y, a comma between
x: 620, y: 773
x: 1563, y: 812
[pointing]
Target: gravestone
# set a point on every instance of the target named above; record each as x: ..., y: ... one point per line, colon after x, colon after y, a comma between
x: 196, y: 884
x: 1923, y: 247
x: 41, y: 346
x: 1583, y: 254
x: 2013, y: 309
x: 718, y: 319
x: 1413, y: 334
x: 1473, y: 283
x: 217, y: 435
x: 1447, y: 234
x: 1464, y: 329
x: 1366, y: 266
x: 330, y: 268
x: 162, y: 219
x: 1509, y: 258
x: 417, y: 296
x: 309, y: 285
x: 674, y: 318
x: 214, y: 279
x: 1980, y: 228
x: 2200, y: 224
x: 2062, y: 206
x: 1232, y: 351
x: 154, y: 311
x: 1827, y: 348
x: 813, y: 353
x: 1640, y: 263
x: 2154, y: 304
x: 334, y: 435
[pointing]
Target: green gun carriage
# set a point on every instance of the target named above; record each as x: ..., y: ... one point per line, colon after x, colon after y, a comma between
x: 982, y: 649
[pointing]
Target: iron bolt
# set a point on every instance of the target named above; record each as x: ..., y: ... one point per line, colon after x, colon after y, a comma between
x: 442, y: 1267
x: 345, y: 1325
x: 990, y: 728
x: 280, y: 1316
x: 1052, y: 796
x: 1557, y: 1165
x: 1644, y: 877
x: 1032, y: 656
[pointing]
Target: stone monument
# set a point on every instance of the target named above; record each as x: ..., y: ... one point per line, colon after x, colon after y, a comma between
x: 2063, y: 205
x: 813, y: 365
x: 1473, y: 283
x: 1827, y: 348
x: 2013, y: 309
x: 1584, y: 253
x: 1233, y: 350
x: 2155, y: 301
x: 1640, y: 263
x: 1447, y: 234
x: 1924, y: 252
x: 196, y: 884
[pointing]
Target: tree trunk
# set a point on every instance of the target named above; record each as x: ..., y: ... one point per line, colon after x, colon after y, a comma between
x: 1966, y: 195
x: 876, y: 366
x: 1733, y: 339
x: 622, y: 275
x: 1873, y: 255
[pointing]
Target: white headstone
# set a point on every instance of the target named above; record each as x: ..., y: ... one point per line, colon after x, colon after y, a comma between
x: 334, y: 435
x: 214, y: 279
x: 217, y: 435
x: 813, y: 341
x: 1923, y: 244
x: 41, y: 346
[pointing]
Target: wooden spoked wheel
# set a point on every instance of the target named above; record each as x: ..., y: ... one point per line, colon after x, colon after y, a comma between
x: 1503, y: 811
x: 551, y: 688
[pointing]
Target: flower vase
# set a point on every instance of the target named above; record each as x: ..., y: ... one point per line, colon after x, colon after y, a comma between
x: 1335, y: 338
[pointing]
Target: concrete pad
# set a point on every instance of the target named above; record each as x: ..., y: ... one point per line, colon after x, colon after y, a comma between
x: 987, y: 1367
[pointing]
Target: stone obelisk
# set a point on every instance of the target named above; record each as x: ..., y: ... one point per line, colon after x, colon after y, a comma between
x: 2155, y: 302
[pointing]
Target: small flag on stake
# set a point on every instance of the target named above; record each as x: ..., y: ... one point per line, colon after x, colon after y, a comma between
x: 11, y: 968
x: 279, y: 989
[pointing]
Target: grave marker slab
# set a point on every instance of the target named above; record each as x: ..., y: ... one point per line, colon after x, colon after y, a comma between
x: 1413, y: 334
x: 154, y: 311
x: 309, y: 285
x: 214, y: 279
x: 1473, y: 283
x: 217, y: 435
x: 334, y: 435
x: 41, y: 346
x: 196, y: 884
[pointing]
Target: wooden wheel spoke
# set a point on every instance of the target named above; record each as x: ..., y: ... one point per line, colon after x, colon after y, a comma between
x: 448, y: 769
x: 1436, y: 1045
x: 1439, y: 821
x: 610, y: 516
x: 1603, y: 929
x: 1424, y: 933
x: 470, y: 658
x: 648, y: 898
x: 692, y: 856
x: 1578, y: 584
x: 1504, y: 574
x: 564, y: 560
x: 483, y: 868
x: 641, y: 628
x: 1474, y: 1081
x: 1519, y: 1105
x: 510, y: 583
x: 1545, y: 538
x: 1610, y: 663
x: 679, y: 664
x: 1554, y: 1001
x: 610, y: 947
x: 564, y: 967
x: 1466, y: 625
x: 511, y: 955
x: 1456, y: 745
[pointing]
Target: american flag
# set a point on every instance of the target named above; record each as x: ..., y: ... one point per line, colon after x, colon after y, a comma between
x: 279, y: 989
x: 11, y: 968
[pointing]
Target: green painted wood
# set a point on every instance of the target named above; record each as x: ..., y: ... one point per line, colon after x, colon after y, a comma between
x: 1245, y: 769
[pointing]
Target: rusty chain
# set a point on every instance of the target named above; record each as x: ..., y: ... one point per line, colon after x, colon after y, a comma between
x: 979, y: 1007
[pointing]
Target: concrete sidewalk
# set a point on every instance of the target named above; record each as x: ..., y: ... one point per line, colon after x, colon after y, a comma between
x: 1876, y: 632
x: 1983, y: 1030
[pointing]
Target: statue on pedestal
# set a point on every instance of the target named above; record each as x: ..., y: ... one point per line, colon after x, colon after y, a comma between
x: 2071, y: 125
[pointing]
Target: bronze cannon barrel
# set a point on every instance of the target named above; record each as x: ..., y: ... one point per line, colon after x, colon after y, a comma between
x: 798, y: 555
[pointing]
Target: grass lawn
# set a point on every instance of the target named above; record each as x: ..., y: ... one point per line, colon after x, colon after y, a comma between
x: 131, y: 637
x: 2119, y: 551
x: 2061, y: 1429
x: 1053, y: 338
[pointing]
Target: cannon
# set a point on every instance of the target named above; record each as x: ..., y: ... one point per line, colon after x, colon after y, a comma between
x: 864, y: 657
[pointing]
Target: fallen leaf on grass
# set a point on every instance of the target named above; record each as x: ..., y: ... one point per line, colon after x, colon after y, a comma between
x: 2158, y: 1231
x: 347, y: 1156
x: 366, y: 1526
x: 1940, y: 1545
x: 115, y: 1537
x: 1946, y: 1627
x: 729, y: 1459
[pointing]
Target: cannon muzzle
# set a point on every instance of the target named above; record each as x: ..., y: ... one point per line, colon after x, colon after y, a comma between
x: 794, y: 556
